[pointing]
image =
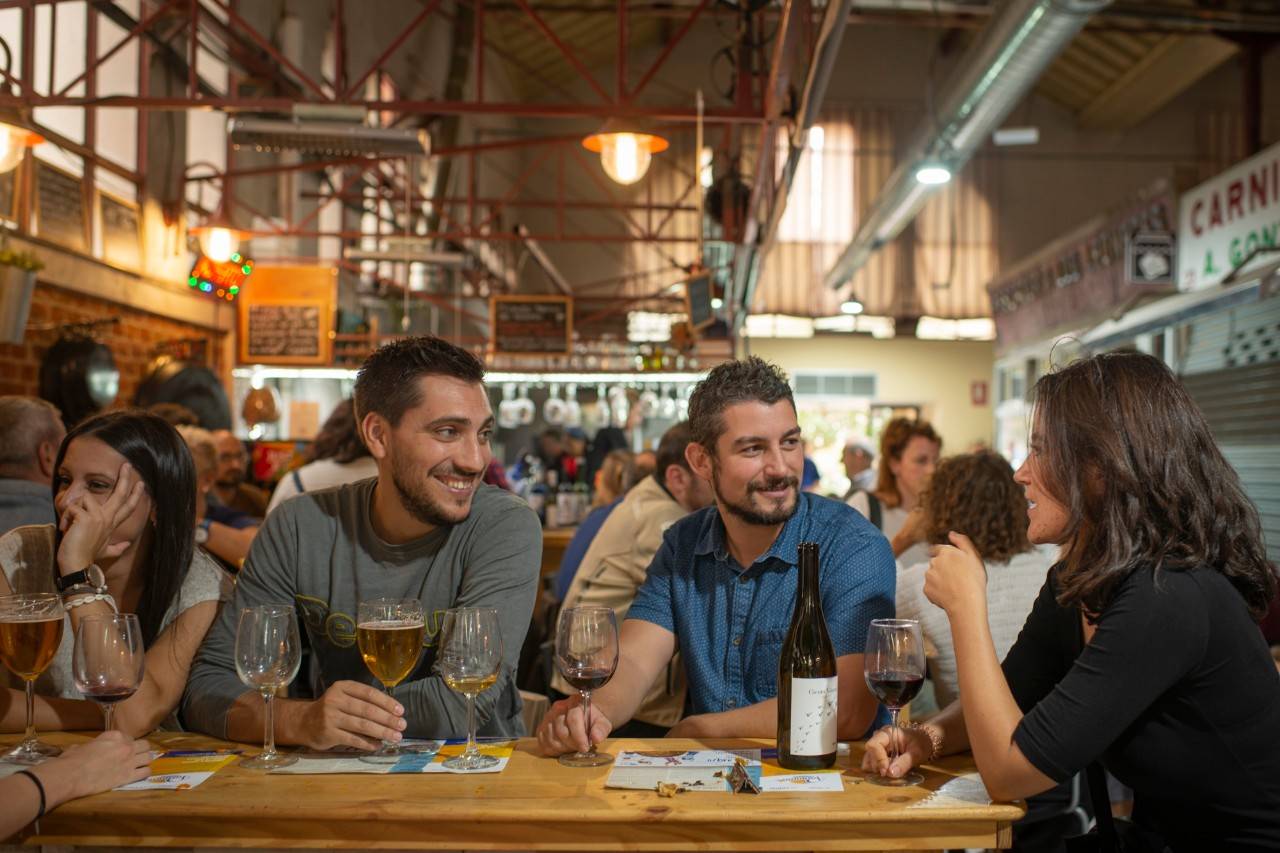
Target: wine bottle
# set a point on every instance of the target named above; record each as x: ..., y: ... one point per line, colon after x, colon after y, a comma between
x: 807, y: 683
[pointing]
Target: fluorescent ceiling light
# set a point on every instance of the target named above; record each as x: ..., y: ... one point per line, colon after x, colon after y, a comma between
x: 933, y: 174
x: 330, y: 138
x: 1016, y: 136
x: 939, y: 329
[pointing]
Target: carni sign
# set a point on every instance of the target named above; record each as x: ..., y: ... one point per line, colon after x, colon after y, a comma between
x: 1225, y: 220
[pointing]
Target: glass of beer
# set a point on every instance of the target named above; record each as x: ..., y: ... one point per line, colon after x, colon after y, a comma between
x: 268, y: 654
x: 469, y: 658
x: 587, y: 655
x: 389, y: 632
x: 108, y: 660
x: 30, y: 632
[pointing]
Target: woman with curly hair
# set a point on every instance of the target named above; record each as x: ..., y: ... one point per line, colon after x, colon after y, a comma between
x: 1142, y: 654
x: 975, y: 494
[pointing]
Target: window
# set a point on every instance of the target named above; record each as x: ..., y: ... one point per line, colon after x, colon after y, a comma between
x: 820, y: 207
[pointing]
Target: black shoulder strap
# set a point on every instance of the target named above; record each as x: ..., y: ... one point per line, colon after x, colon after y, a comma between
x: 873, y: 506
x: 1105, y: 824
x: 297, y: 481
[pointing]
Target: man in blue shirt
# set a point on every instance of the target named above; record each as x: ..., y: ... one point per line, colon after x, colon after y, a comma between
x: 722, y: 587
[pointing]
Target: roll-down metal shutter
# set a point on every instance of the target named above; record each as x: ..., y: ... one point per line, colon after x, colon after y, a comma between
x: 1232, y: 371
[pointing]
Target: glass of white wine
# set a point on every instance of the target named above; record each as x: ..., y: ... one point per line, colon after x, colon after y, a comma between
x: 268, y: 654
x: 469, y: 658
x: 389, y: 632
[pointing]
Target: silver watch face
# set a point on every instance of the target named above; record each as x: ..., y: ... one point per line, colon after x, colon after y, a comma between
x: 202, y: 535
x: 96, y: 578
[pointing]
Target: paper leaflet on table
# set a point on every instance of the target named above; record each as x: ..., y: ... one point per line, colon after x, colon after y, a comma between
x: 428, y: 757
x: 696, y: 770
x: 181, y: 769
x: 962, y: 791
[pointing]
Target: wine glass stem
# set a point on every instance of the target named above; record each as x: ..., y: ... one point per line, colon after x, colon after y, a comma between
x: 472, y: 749
x: 268, y: 723
x: 31, y: 711
x: 108, y: 717
x: 586, y: 720
x: 893, y: 734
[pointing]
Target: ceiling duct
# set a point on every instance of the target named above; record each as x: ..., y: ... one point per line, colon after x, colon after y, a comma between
x: 996, y: 73
x: 330, y: 132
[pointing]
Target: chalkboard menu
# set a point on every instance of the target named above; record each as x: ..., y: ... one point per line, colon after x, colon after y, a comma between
x: 121, y: 237
x: 60, y: 214
x: 698, y: 293
x: 7, y: 207
x: 284, y: 332
x: 531, y: 325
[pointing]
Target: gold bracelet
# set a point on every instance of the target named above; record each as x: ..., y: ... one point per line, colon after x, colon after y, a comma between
x: 934, y: 736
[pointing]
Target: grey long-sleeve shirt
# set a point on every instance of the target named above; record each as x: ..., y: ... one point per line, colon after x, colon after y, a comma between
x: 320, y: 552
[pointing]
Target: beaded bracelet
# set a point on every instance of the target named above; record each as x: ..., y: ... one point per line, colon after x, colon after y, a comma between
x: 89, y: 599
x: 934, y: 736
x: 39, y: 787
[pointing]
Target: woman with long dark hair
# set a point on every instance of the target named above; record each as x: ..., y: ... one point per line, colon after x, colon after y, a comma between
x: 124, y: 488
x: 1143, y: 650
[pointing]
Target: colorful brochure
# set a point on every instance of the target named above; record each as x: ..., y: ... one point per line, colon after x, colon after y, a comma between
x: 428, y: 756
x: 182, y: 769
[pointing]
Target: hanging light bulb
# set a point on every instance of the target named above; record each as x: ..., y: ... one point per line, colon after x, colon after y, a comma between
x: 14, y: 142
x: 219, y: 241
x: 625, y: 150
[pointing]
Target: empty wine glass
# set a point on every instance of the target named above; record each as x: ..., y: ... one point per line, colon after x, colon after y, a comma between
x: 893, y: 664
x: 267, y: 657
x: 389, y: 632
x: 108, y: 660
x: 587, y: 655
x: 30, y: 632
x: 469, y: 659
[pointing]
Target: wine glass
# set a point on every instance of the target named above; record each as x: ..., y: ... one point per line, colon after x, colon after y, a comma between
x: 30, y: 632
x: 587, y: 655
x: 894, y: 669
x: 389, y: 632
x: 267, y: 657
x: 469, y: 658
x: 108, y: 660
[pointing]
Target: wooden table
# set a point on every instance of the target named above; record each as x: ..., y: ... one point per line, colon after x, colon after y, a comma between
x: 554, y: 541
x: 535, y: 804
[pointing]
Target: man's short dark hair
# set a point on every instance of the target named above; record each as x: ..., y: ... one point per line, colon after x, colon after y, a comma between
x: 746, y: 380
x: 553, y: 433
x: 671, y: 450
x: 387, y: 381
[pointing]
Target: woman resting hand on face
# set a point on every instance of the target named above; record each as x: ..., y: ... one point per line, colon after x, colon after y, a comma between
x: 124, y: 488
x: 1142, y: 650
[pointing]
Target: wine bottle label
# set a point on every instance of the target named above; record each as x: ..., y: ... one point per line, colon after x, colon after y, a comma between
x: 813, y: 715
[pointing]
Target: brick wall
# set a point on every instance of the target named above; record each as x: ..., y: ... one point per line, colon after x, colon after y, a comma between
x: 132, y: 341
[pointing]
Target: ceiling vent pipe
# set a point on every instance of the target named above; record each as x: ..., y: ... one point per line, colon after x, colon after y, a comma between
x: 997, y: 72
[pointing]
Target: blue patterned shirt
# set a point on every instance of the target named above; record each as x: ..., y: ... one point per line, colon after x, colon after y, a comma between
x: 730, y: 622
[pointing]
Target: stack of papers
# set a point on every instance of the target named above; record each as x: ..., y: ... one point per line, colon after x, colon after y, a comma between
x: 708, y: 770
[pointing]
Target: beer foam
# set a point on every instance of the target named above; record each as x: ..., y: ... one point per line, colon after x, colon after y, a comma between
x: 391, y: 624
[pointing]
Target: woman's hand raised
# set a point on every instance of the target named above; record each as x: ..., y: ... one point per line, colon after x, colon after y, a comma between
x: 957, y: 579
x: 87, y: 525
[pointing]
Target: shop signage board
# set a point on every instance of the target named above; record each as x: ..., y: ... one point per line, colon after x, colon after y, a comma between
x: 286, y: 316
x: 1227, y: 219
x: 1084, y: 276
x: 530, y: 325
x: 60, y: 209
x: 1150, y: 259
x: 121, y: 232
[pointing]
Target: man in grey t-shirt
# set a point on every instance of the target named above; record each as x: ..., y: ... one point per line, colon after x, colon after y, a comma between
x: 425, y: 528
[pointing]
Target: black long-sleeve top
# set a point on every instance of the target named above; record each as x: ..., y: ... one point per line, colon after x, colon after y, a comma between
x: 1176, y: 693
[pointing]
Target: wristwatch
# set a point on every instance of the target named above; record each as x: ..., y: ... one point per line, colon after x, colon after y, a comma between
x: 90, y: 577
x: 202, y: 531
